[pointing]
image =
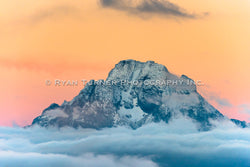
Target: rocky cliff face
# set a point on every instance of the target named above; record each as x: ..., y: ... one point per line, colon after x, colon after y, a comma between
x: 134, y: 94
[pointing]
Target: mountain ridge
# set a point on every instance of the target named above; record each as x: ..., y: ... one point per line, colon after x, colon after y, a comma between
x: 134, y: 93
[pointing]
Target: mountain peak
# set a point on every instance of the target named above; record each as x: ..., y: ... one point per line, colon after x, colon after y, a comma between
x: 133, y: 105
x: 136, y: 70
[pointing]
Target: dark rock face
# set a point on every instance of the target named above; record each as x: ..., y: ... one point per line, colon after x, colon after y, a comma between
x: 134, y: 94
x: 241, y: 124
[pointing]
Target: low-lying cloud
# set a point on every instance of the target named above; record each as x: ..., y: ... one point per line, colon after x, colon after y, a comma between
x: 142, y: 7
x: 175, y: 144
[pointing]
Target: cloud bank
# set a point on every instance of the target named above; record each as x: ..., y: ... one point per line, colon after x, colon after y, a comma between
x: 140, y: 7
x: 154, y: 145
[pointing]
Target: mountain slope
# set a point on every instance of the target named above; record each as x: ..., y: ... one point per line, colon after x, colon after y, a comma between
x: 134, y: 93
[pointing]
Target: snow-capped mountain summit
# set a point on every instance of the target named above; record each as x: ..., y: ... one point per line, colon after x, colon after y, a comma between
x: 133, y: 94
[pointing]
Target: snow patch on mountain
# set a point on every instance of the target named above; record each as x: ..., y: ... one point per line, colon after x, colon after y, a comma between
x: 135, y: 114
x: 52, y: 114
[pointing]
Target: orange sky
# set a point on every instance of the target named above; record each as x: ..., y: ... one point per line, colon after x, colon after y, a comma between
x: 61, y: 39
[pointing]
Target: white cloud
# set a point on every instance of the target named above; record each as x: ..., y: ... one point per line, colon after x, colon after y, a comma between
x: 175, y: 144
x: 9, y: 158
